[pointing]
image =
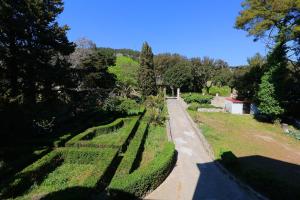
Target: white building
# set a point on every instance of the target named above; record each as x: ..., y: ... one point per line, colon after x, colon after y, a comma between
x: 234, y: 106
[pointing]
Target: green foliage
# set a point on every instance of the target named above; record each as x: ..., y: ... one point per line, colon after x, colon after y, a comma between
x: 194, y: 106
x: 269, y: 106
x: 123, y: 106
x: 126, y: 70
x: 96, y: 131
x: 196, y: 97
x: 271, y: 90
x: 223, y: 91
x: 179, y: 76
x: 56, y: 171
x: 33, y: 51
x: 145, y: 179
x: 247, y: 79
x: 146, y: 76
x: 116, y: 139
x: 131, y: 155
x: 155, y: 106
x: 260, y: 17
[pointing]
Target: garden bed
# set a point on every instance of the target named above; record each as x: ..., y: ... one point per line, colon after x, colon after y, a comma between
x: 113, y: 135
x: 61, y: 169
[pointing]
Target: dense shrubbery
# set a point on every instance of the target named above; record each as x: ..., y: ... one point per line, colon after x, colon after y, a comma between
x: 145, y: 179
x: 95, y: 131
x: 196, y: 97
x: 194, y: 106
x: 132, y: 151
x: 222, y: 91
x: 112, y: 140
x: 156, y: 110
x: 38, y: 171
x: 124, y: 106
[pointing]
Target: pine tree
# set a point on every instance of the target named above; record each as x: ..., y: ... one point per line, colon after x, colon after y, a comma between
x: 146, y: 78
x: 33, y: 50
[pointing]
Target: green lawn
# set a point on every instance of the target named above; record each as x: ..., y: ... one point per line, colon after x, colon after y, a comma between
x: 267, y: 159
x: 126, y: 70
x: 154, y: 144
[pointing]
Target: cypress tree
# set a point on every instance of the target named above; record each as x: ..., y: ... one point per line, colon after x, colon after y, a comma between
x: 146, y: 78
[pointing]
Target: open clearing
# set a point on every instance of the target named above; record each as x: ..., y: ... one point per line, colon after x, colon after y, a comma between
x: 268, y: 160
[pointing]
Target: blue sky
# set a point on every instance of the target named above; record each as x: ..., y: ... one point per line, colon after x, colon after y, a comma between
x: 194, y: 28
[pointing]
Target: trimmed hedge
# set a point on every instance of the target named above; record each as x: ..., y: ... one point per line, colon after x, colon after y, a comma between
x: 95, y: 131
x: 38, y: 171
x: 196, y: 97
x: 133, y: 149
x: 145, y: 179
x: 114, y: 140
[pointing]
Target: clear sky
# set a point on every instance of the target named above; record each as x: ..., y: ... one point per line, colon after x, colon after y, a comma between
x: 194, y: 28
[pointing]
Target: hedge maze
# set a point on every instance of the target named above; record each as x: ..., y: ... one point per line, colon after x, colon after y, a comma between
x: 102, y: 161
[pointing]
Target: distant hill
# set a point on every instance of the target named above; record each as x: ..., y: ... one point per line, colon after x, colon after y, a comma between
x: 126, y: 70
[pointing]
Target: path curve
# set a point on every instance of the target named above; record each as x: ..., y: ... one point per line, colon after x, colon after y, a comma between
x: 195, y: 175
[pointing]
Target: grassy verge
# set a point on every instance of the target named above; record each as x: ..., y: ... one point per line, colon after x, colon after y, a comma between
x: 257, y: 153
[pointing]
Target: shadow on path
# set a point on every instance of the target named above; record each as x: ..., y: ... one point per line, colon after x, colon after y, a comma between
x: 273, y: 178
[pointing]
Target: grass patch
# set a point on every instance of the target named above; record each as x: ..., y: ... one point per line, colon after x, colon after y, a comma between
x: 126, y: 70
x: 258, y: 153
x: 154, y: 144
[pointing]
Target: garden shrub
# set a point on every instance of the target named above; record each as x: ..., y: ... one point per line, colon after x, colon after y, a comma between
x: 113, y: 140
x: 133, y: 149
x: 144, y: 179
x: 223, y: 91
x: 194, y: 106
x: 197, y: 98
x: 124, y: 106
x: 156, y: 109
x: 38, y: 172
x: 95, y: 131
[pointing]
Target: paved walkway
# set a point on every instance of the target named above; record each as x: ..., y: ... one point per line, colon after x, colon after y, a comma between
x: 195, y: 175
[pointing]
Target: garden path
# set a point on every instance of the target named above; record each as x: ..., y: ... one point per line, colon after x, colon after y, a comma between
x: 195, y: 176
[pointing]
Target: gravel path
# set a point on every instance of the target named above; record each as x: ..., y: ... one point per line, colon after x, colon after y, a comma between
x: 195, y: 175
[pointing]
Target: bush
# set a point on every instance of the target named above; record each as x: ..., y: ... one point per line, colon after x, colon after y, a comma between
x: 145, y: 179
x: 114, y: 140
x: 156, y: 109
x: 95, y: 131
x: 132, y: 152
x: 222, y: 91
x: 38, y: 172
x: 197, y: 98
x: 124, y: 106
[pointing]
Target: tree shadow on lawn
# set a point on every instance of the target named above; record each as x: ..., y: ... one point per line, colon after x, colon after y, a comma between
x: 272, y: 178
x: 20, y: 150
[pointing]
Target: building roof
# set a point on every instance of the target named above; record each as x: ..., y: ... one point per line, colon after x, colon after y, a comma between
x: 234, y: 100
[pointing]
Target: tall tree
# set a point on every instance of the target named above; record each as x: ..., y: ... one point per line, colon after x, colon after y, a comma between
x: 271, y: 90
x: 276, y: 20
x: 146, y: 78
x: 33, y: 49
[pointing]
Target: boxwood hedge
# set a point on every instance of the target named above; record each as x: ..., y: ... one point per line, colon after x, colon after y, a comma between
x: 133, y: 149
x: 38, y: 171
x: 114, y: 140
x: 144, y: 179
x: 196, y: 97
x: 95, y: 131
